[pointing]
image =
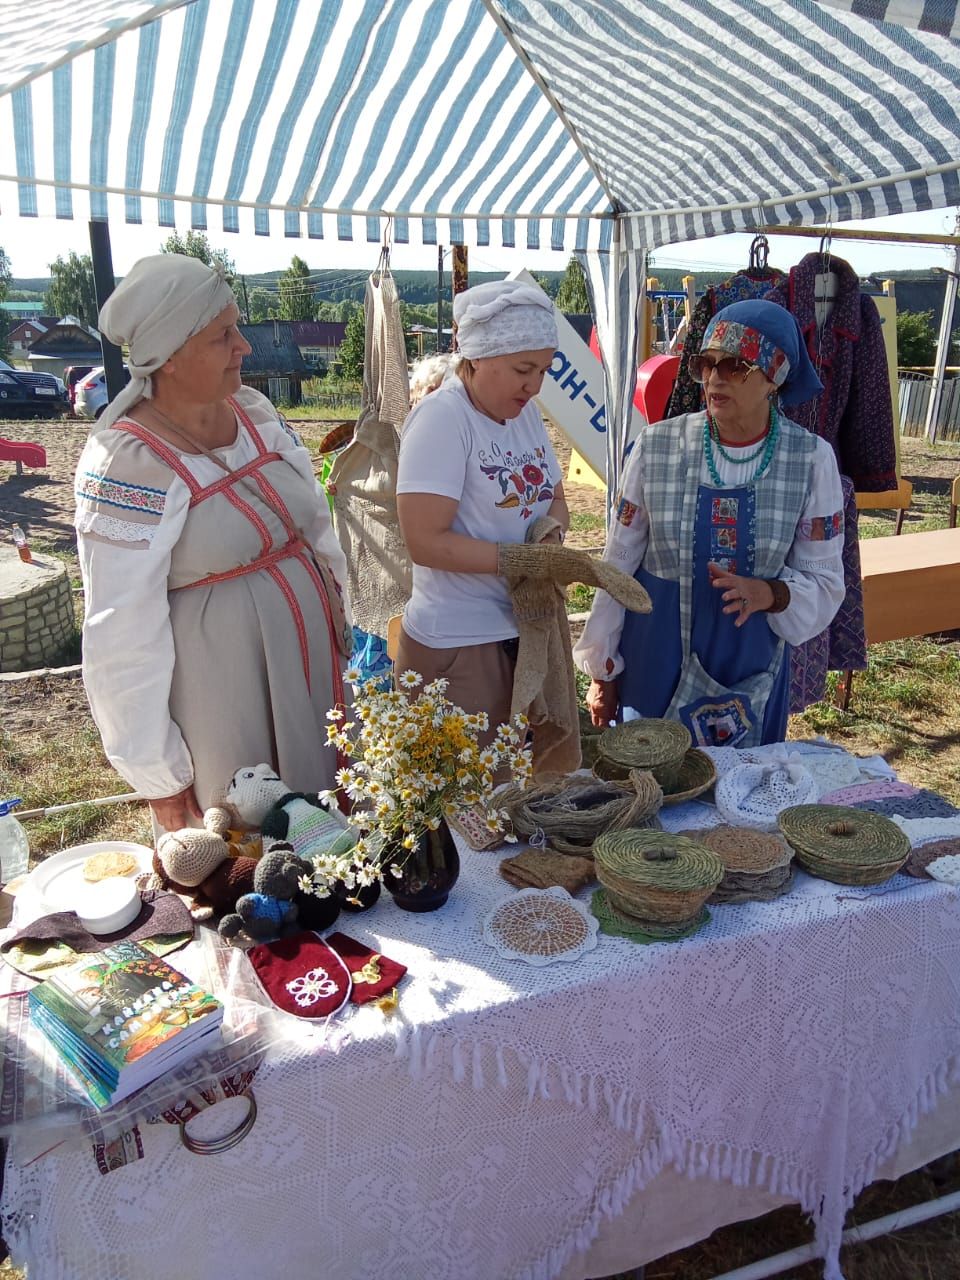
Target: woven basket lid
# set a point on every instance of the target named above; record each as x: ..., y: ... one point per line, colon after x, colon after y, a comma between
x: 620, y: 924
x: 697, y: 774
x: 657, y: 859
x: 832, y: 835
x: 746, y: 850
x: 645, y: 744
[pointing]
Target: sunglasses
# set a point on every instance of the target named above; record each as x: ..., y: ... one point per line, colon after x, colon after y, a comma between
x: 729, y: 367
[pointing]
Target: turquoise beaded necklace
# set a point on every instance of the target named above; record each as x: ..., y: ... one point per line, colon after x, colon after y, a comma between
x: 764, y: 453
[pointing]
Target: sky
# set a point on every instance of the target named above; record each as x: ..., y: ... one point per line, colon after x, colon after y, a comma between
x: 33, y: 243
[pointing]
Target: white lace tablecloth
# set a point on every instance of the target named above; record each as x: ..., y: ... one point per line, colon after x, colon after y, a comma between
x: 507, y: 1115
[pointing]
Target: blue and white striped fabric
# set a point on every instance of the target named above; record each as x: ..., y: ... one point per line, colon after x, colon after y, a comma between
x: 533, y: 121
x: 616, y: 284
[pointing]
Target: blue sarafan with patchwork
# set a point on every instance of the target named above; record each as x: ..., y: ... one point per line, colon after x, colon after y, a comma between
x: 304, y: 823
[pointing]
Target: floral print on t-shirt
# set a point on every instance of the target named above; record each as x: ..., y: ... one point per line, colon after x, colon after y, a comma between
x: 524, y: 478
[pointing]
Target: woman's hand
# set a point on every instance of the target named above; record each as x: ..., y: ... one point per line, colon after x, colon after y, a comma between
x: 174, y: 812
x: 603, y: 702
x: 741, y: 596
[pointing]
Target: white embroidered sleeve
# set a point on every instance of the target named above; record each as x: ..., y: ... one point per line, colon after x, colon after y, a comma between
x: 128, y: 651
x: 814, y: 565
x: 597, y: 652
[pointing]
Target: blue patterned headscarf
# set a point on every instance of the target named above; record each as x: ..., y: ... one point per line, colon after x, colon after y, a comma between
x: 768, y: 336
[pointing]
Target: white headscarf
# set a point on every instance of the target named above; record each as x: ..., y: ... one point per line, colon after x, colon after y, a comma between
x: 163, y: 300
x: 501, y: 317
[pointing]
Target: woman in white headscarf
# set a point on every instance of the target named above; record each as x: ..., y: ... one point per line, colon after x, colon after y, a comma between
x: 215, y: 627
x: 476, y: 468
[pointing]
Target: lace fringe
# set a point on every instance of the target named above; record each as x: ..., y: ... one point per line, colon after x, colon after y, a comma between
x: 716, y: 1161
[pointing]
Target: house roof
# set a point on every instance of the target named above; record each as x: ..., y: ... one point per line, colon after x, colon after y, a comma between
x: 66, y: 337
x: 274, y: 351
x: 318, y: 333
x: 532, y: 121
x: 27, y: 330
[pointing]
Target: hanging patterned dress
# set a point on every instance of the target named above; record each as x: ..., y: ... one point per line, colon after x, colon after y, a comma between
x: 855, y: 416
x: 215, y: 629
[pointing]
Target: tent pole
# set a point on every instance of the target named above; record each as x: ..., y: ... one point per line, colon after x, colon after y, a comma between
x: 943, y: 345
x: 104, y: 284
x: 848, y: 233
x: 439, y: 298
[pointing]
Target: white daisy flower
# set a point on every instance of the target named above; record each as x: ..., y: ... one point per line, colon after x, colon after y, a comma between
x: 410, y: 679
x: 353, y: 675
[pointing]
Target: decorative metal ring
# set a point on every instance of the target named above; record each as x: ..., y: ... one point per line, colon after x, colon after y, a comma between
x: 215, y: 1146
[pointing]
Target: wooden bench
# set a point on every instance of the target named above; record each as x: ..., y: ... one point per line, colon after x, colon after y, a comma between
x: 911, y: 587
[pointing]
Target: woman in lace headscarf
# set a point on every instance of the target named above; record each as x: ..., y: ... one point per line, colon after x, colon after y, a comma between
x: 216, y: 628
x: 476, y: 468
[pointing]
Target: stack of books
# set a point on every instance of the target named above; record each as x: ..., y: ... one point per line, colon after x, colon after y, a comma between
x: 123, y: 1017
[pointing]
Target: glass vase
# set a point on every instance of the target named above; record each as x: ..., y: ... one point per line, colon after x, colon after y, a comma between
x: 427, y: 872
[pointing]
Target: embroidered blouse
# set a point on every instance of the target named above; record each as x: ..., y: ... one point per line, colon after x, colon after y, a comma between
x: 131, y: 511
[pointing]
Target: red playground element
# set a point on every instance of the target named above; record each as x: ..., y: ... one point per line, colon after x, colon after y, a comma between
x: 33, y: 455
x: 655, y: 379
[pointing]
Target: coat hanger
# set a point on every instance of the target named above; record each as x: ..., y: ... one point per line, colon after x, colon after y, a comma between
x: 759, y: 253
x: 383, y: 261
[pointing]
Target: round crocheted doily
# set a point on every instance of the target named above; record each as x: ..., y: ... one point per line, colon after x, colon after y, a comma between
x: 541, y: 926
x: 921, y: 857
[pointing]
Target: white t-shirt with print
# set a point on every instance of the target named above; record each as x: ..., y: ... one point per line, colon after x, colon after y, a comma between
x: 503, y: 477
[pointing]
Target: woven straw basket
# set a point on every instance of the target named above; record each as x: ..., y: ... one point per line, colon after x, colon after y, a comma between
x: 657, y: 745
x: 847, y: 846
x: 652, y: 875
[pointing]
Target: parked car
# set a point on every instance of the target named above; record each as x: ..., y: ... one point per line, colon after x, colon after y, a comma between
x: 30, y: 395
x: 71, y: 377
x: 91, y: 396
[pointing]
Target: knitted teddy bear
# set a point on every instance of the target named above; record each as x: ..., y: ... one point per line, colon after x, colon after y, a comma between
x: 270, y: 908
x: 197, y: 863
x: 302, y: 823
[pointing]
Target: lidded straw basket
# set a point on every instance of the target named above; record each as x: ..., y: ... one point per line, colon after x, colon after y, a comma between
x: 656, y: 745
x: 653, y: 875
x: 847, y: 846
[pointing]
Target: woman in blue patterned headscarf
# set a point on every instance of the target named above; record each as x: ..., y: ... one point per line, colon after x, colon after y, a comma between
x: 731, y: 520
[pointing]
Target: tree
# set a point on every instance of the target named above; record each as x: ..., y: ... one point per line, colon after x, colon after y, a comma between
x: 6, y: 275
x: 546, y: 285
x: 347, y: 309
x: 572, y: 298
x: 72, y: 291
x: 263, y: 304
x: 916, y: 338
x: 296, y: 292
x: 196, y: 245
x: 351, y: 350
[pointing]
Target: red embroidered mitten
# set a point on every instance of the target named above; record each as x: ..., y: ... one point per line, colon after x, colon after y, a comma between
x: 302, y: 975
x: 373, y: 974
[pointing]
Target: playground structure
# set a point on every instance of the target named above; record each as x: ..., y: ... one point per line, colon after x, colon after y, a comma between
x: 23, y: 455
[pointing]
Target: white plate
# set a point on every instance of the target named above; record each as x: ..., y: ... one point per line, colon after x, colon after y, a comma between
x: 57, y: 879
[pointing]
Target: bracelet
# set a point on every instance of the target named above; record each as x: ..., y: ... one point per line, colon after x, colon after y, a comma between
x: 214, y: 1146
x: 781, y: 594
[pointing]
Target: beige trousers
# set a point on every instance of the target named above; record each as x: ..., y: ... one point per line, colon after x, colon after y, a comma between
x: 479, y: 676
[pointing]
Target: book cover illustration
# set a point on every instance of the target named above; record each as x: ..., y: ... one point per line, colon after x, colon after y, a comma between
x: 124, y: 1003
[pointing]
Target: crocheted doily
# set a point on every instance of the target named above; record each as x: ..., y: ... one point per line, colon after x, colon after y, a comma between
x: 946, y: 869
x: 883, y: 789
x: 921, y: 831
x: 753, y: 795
x: 540, y: 926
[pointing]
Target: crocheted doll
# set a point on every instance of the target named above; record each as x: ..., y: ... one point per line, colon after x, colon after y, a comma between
x: 271, y: 909
x: 197, y: 863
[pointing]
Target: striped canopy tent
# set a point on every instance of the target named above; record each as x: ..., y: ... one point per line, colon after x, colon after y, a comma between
x: 603, y: 126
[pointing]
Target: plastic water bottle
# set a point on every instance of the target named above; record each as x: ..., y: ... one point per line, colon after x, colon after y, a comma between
x: 22, y: 545
x: 14, y: 847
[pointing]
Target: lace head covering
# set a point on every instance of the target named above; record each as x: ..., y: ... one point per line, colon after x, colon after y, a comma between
x: 163, y: 300
x: 752, y: 795
x: 501, y: 317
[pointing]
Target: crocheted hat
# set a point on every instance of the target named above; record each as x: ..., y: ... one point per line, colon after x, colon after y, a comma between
x: 754, y: 794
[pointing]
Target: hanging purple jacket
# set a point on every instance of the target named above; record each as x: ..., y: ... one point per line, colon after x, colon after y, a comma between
x: 855, y: 416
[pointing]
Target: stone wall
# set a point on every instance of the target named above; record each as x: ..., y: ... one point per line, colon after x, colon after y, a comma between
x: 37, y: 624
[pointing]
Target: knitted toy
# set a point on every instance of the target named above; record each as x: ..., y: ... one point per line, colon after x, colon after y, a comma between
x: 302, y: 824
x: 197, y: 863
x: 270, y: 909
